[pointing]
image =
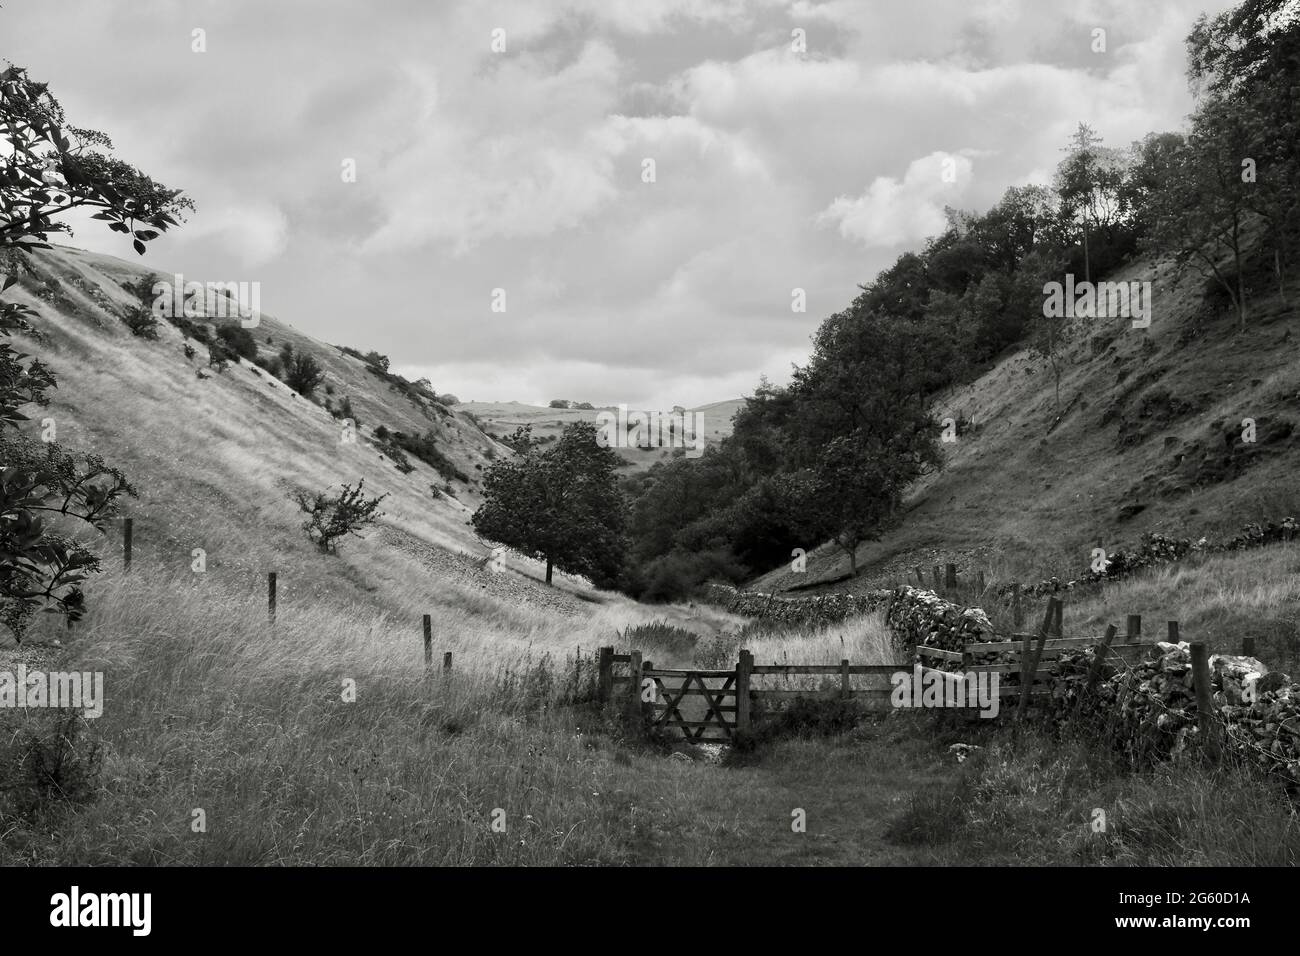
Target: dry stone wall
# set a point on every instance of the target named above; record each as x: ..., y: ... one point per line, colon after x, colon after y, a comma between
x: 811, y: 611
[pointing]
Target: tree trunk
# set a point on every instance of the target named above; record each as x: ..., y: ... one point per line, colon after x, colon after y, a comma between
x: 1241, y: 279
x: 548, y: 569
x: 1087, y: 264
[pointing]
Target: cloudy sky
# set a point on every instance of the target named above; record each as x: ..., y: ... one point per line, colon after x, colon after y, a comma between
x: 523, y: 169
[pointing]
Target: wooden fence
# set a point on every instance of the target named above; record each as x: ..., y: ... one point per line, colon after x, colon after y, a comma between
x: 712, y: 705
x: 734, y: 700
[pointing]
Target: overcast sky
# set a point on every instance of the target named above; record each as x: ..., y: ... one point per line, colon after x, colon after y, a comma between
x: 523, y: 169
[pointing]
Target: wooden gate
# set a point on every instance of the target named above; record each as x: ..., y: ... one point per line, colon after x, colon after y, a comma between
x: 702, y: 704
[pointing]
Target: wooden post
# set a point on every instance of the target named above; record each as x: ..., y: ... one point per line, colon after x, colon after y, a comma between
x: 1094, y: 674
x: 950, y: 577
x: 1060, y: 616
x: 846, y: 686
x: 1248, y: 647
x: 270, y: 595
x: 1133, y: 629
x: 1029, y: 659
x: 936, y: 577
x: 128, y: 532
x: 1018, y: 615
x: 428, y: 642
x: 1173, y: 632
x: 744, y: 666
x: 920, y: 576
x: 634, y: 707
x: 1204, y: 702
x: 446, y: 662
x: 605, y: 686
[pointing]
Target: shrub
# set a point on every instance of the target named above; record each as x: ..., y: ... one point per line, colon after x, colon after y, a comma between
x: 424, y: 448
x: 332, y: 518
x: 57, y: 764
x: 804, y: 717
x: 303, y: 374
x: 189, y: 350
x: 142, y: 323
x: 238, y: 340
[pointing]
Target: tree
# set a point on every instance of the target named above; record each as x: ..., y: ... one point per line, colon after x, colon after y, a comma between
x: 47, y: 169
x: 561, y: 505
x: 862, y: 428
x: 303, y: 373
x: 1200, y: 209
x: 1089, y: 182
x: 332, y: 518
x: 1249, y: 58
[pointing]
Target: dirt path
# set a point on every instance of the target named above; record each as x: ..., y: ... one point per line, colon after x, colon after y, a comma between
x: 846, y: 790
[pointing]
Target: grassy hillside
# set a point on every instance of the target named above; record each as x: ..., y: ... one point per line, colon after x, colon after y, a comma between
x: 1147, y: 436
x: 210, y: 708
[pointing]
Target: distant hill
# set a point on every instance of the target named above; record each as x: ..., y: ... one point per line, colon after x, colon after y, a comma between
x: 500, y: 419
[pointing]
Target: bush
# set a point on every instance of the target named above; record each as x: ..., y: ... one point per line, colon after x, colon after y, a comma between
x: 142, y: 323
x: 189, y: 350
x: 804, y: 717
x: 58, y: 764
x: 303, y: 374
x: 238, y: 340
x: 332, y: 518
x: 424, y: 448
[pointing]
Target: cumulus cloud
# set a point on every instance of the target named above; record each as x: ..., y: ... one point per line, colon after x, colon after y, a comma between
x: 894, y: 211
x: 775, y: 169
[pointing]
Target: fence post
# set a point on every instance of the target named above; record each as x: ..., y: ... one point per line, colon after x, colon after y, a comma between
x: 270, y: 595
x: 634, y: 706
x: 1204, y: 704
x: 744, y: 665
x: 950, y: 577
x: 446, y: 662
x: 920, y: 576
x: 128, y: 533
x: 846, y: 685
x: 936, y: 577
x: 1248, y: 647
x: 1173, y: 632
x: 1018, y: 615
x: 1098, y: 661
x: 1059, y: 621
x: 1133, y: 629
x: 428, y: 642
x: 605, y: 687
x: 1029, y: 659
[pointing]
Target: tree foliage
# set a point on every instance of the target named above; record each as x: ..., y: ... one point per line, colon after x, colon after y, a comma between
x: 48, y: 169
x: 331, y: 518
x: 560, y: 505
